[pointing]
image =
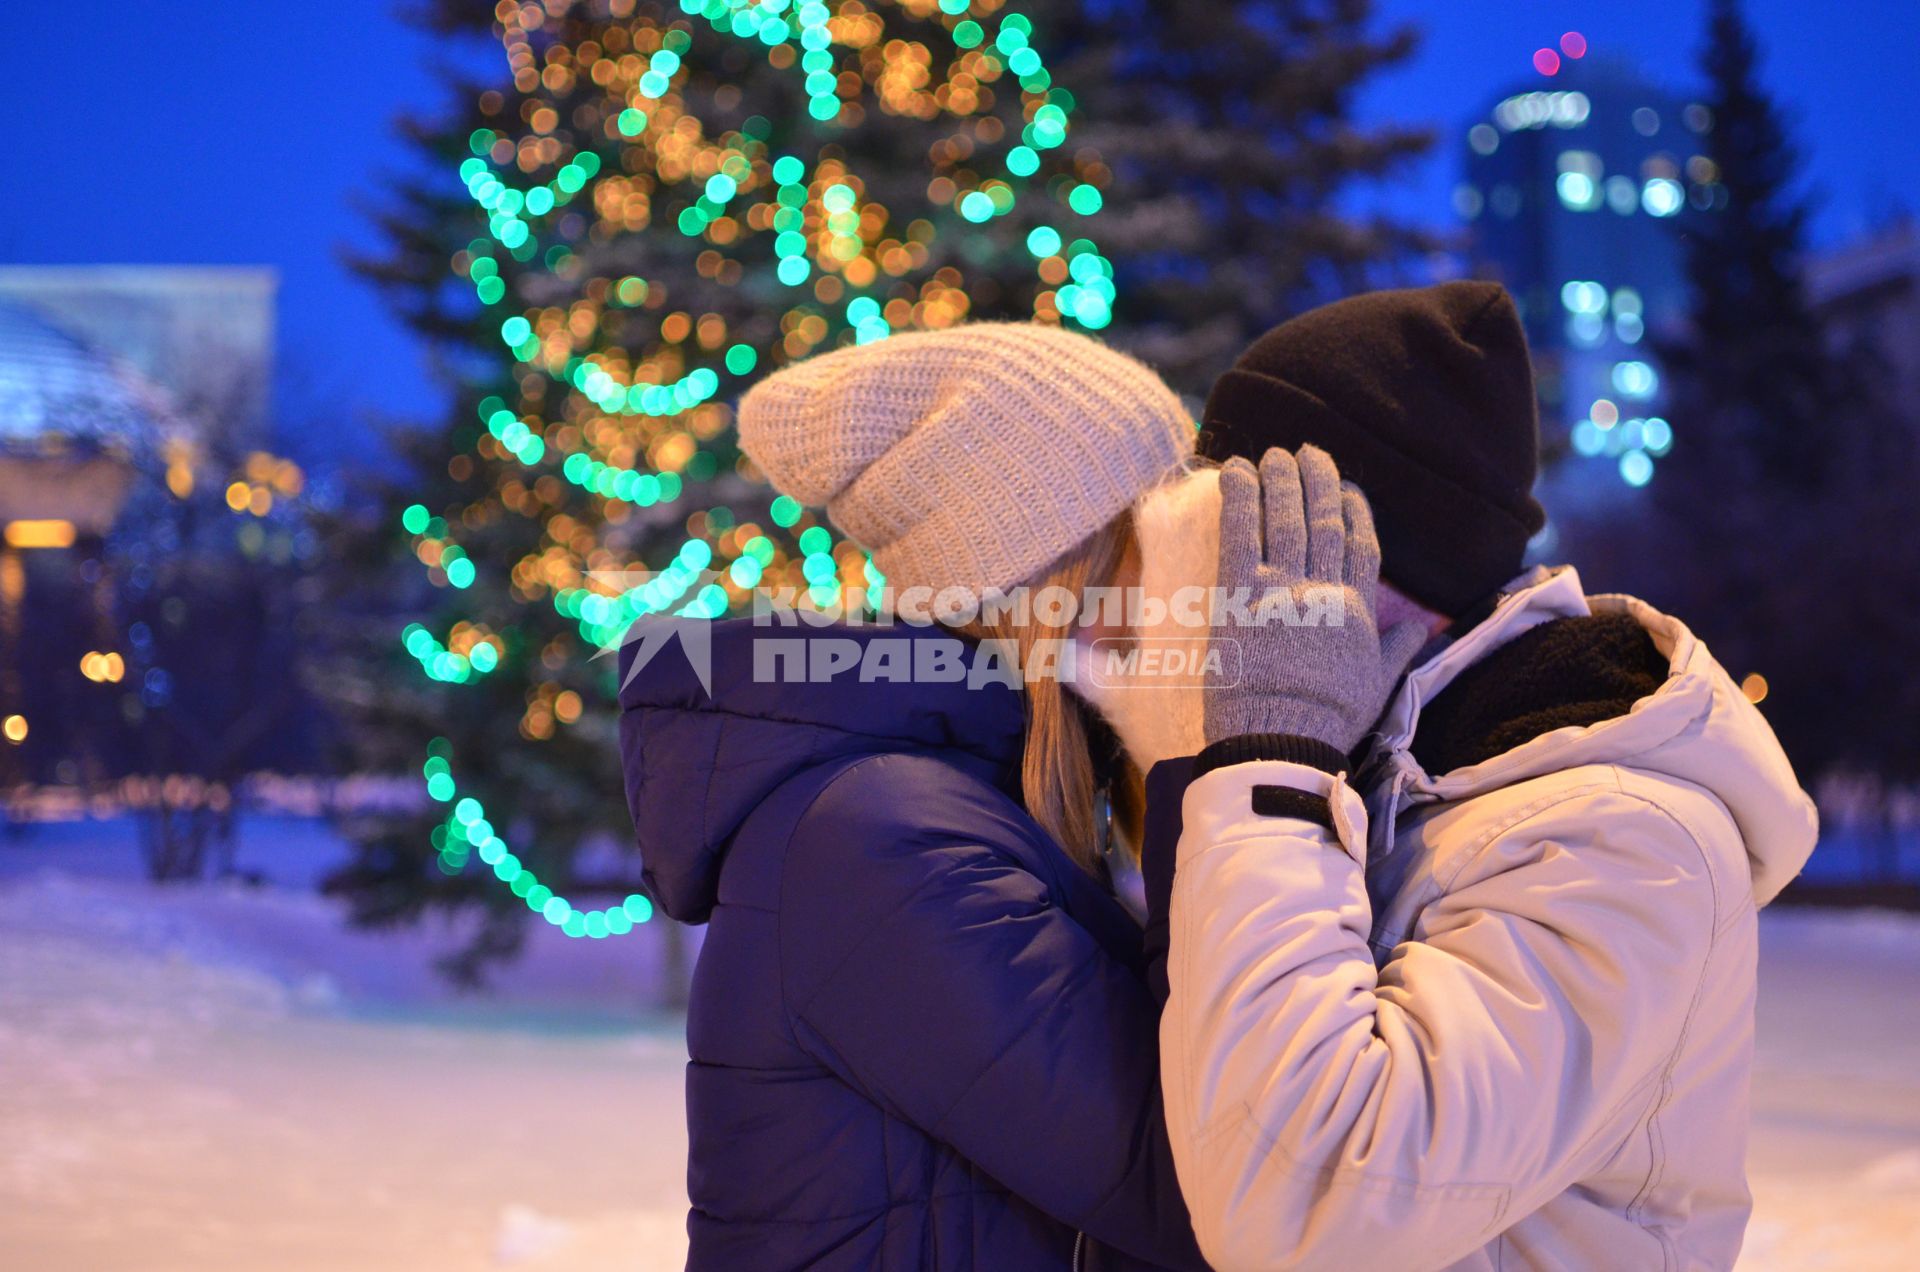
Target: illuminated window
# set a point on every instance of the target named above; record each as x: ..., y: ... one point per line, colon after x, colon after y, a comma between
x: 1579, y: 182
x: 1662, y: 196
x: 1622, y: 196
x: 39, y: 534
x: 1586, y: 330
x: 1576, y: 191
x: 1483, y: 139
x: 1541, y: 110
x: 1635, y: 379
x: 1646, y: 121
x: 1467, y: 201
x: 1584, y: 297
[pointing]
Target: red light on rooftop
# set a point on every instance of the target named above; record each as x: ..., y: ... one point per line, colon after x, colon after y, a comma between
x: 1573, y: 44
x: 1547, y: 62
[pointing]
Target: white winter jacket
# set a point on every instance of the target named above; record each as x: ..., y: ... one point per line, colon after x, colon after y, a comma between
x: 1531, y: 1048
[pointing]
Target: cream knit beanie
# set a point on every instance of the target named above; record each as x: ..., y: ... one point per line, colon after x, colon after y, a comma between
x: 972, y: 457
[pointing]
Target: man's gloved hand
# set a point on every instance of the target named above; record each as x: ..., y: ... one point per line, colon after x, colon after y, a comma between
x: 1317, y: 666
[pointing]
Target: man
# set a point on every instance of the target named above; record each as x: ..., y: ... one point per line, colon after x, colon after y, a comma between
x: 1483, y: 999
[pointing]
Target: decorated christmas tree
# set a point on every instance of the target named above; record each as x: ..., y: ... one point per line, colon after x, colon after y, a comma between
x: 655, y: 204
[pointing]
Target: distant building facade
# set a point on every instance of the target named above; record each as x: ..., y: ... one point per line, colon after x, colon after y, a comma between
x: 121, y: 389
x: 202, y: 335
x: 1867, y: 295
x: 1576, y: 189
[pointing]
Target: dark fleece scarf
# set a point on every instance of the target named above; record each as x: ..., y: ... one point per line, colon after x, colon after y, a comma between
x: 1569, y: 672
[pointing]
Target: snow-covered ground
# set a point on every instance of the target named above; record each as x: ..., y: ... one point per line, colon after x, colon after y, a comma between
x: 222, y: 1078
x: 1834, y: 1159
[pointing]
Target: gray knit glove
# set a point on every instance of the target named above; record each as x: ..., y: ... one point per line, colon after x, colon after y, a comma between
x: 1313, y: 664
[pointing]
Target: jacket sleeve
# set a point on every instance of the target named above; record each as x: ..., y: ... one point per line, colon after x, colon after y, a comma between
x: 1328, y: 1115
x: 931, y: 970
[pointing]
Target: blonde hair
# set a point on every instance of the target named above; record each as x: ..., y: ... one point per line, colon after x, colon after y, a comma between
x: 1059, y: 778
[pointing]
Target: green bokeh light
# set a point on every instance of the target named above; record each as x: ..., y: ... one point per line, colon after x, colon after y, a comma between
x: 812, y: 230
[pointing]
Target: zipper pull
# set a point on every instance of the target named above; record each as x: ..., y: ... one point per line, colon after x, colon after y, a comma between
x: 1383, y: 806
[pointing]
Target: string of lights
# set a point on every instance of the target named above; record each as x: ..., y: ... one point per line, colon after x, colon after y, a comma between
x: 623, y: 388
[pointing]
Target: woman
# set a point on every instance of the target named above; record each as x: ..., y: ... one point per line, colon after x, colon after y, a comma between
x: 920, y: 1031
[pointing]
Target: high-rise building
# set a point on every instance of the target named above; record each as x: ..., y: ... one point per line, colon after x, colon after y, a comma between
x: 1577, y: 189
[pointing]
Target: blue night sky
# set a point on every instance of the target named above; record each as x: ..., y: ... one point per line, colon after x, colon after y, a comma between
x: 235, y: 132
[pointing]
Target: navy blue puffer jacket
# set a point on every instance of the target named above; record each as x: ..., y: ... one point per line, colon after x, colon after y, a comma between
x: 920, y: 1037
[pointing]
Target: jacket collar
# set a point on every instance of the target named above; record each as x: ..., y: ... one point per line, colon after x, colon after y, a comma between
x: 1539, y: 596
x: 1542, y: 595
x: 1697, y: 727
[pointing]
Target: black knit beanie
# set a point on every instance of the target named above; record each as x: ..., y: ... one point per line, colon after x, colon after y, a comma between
x: 1424, y: 398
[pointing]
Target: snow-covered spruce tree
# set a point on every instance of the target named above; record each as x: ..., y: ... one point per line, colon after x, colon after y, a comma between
x: 646, y: 207
x: 1753, y: 377
x: 1778, y: 530
x: 1229, y: 130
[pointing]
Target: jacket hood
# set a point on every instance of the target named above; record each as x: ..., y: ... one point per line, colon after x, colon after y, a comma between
x: 785, y: 699
x: 1696, y: 727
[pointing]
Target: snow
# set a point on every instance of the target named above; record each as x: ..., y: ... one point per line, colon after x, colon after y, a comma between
x: 1835, y: 1157
x: 223, y: 1077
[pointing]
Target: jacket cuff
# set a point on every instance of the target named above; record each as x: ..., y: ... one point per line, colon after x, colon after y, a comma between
x: 1290, y: 747
x: 1285, y: 791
